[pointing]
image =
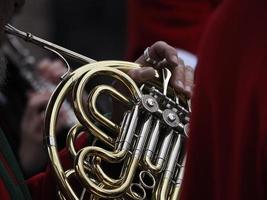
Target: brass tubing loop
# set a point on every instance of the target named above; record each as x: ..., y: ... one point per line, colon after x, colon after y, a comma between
x: 147, y: 148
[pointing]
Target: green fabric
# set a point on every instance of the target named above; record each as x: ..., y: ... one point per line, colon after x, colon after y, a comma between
x: 17, y: 191
x: 13, y: 190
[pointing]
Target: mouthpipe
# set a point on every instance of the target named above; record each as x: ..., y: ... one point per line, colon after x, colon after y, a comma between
x: 28, y: 37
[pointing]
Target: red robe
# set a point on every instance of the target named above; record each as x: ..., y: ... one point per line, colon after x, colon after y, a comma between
x: 227, y: 153
x: 178, y: 22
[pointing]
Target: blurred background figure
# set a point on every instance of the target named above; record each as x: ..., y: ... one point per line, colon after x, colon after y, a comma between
x: 24, y: 97
x: 21, y: 104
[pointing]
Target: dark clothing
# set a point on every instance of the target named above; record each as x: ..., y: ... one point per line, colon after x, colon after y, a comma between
x: 12, y: 105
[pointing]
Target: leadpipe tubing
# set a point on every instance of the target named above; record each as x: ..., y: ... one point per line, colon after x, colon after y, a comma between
x: 28, y: 37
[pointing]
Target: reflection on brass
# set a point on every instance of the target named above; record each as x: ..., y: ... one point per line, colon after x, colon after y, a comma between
x: 147, y: 147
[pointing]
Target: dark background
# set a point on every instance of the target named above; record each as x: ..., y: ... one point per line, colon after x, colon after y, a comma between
x: 96, y: 28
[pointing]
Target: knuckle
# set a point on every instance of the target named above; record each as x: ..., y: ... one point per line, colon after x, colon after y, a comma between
x: 160, y: 43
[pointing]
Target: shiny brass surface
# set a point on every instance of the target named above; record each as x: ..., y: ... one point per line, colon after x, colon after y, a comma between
x: 147, y: 148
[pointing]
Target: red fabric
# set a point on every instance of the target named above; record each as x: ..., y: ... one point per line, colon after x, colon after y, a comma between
x: 178, y: 22
x: 43, y: 186
x: 228, y: 139
x: 3, y: 191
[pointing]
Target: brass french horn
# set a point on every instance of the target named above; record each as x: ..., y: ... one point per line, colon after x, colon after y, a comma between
x: 147, y: 147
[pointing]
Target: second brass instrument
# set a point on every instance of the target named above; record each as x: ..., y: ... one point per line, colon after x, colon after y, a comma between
x: 147, y: 147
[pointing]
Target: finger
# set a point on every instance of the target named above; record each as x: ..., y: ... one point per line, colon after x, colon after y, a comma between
x: 189, y: 80
x: 158, y: 52
x: 142, y: 74
x: 55, y: 71
x: 43, y: 68
x: 161, y: 50
x: 141, y: 61
x: 36, y: 103
x: 51, y: 70
x: 32, y: 126
x: 37, y: 128
x: 177, y: 78
x: 43, y: 65
x: 39, y: 125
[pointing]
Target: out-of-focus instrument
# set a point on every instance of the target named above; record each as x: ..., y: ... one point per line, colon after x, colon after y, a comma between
x: 147, y: 146
x: 26, y: 65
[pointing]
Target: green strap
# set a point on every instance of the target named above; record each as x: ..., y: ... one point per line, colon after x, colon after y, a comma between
x: 13, y: 190
x: 17, y: 191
